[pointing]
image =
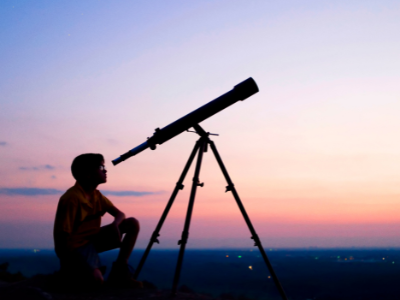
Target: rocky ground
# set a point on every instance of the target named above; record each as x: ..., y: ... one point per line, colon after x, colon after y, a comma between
x: 15, y: 286
x: 42, y: 287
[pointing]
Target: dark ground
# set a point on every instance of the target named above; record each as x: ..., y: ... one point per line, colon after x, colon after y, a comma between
x: 226, y: 274
x: 38, y: 288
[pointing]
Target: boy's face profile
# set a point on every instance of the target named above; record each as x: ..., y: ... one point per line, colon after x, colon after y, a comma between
x: 100, y: 174
x: 97, y: 175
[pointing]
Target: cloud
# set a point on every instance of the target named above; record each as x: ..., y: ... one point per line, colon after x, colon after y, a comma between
x: 31, y: 192
x: 44, y: 167
x: 2, y: 143
x: 128, y: 193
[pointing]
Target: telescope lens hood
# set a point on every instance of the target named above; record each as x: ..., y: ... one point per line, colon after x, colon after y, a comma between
x: 246, y: 88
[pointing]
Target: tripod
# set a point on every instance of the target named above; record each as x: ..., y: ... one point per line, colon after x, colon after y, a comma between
x: 201, y: 147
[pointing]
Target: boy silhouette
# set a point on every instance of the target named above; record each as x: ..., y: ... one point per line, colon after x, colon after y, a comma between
x: 78, y: 237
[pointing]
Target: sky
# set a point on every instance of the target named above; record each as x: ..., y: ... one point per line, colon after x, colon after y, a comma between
x: 315, y: 155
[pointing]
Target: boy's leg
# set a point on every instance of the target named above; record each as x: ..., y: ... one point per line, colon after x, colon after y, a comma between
x: 82, y: 265
x: 98, y: 276
x: 109, y: 238
x: 121, y: 272
x: 130, y: 227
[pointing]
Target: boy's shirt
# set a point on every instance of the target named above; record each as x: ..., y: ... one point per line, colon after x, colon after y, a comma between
x: 78, y: 216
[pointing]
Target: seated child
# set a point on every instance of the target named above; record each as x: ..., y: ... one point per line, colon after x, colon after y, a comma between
x: 78, y: 237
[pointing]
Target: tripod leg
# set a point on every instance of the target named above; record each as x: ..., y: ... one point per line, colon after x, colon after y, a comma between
x: 185, y: 233
x: 255, y: 237
x: 179, y: 186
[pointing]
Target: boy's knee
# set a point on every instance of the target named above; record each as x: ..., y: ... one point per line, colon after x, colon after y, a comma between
x: 132, y: 224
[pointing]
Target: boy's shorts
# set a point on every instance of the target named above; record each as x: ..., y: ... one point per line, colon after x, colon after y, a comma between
x: 86, y: 258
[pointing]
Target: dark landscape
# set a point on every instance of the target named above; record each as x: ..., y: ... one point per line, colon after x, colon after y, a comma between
x: 242, y: 274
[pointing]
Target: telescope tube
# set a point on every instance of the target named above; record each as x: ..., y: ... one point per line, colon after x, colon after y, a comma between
x: 241, y: 91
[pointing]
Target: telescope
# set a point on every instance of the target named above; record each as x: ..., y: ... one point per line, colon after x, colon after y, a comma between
x: 241, y: 92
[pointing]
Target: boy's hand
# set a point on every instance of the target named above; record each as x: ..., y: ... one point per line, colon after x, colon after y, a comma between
x: 118, y: 215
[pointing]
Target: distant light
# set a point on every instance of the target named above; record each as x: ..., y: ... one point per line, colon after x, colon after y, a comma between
x: 240, y: 256
x: 269, y: 277
x: 383, y: 258
x: 392, y: 262
x: 345, y: 259
x: 227, y: 256
x: 250, y: 267
x: 316, y: 258
x: 338, y: 257
x: 36, y: 250
x: 270, y: 249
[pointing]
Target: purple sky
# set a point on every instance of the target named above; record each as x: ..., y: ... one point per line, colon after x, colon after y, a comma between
x: 315, y: 155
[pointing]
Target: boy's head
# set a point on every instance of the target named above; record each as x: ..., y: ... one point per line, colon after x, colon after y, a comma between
x: 89, y: 169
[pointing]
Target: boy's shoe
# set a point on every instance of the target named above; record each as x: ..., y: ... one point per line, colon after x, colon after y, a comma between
x: 121, y: 275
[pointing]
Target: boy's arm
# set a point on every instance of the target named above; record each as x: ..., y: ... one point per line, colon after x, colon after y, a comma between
x: 118, y: 215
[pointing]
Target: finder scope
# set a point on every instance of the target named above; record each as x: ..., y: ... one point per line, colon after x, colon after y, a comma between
x: 241, y: 91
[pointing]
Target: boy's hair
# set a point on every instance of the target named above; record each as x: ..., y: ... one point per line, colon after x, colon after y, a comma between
x: 84, y: 164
